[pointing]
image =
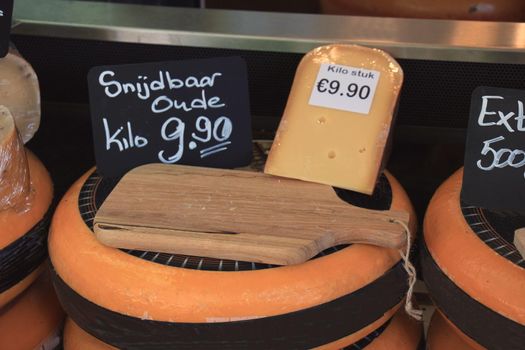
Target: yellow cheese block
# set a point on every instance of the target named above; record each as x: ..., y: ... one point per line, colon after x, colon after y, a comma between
x: 337, y: 121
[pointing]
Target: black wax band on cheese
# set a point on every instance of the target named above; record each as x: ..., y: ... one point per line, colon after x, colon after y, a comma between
x: 23, y: 256
x: 304, y: 329
x: 482, y: 324
x: 96, y: 189
x: 496, y: 230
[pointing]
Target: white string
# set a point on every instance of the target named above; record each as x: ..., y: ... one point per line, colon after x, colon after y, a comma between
x: 411, y: 271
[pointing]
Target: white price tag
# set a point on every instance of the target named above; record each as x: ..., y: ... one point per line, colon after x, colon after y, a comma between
x: 346, y: 88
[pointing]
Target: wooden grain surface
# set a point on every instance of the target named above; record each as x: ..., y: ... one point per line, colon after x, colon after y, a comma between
x: 232, y: 214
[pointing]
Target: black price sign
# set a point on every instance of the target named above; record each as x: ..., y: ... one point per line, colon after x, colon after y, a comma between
x: 193, y: 112
x: 494, y: 176
x: 6, y: 12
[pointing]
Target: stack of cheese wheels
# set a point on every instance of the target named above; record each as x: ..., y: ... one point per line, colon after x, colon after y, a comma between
x: 33, y: 320
x: 492, y: 10
x: 25, y: 186
x: 30, y: 315
x: 344, y: 298
x: 473, y: 271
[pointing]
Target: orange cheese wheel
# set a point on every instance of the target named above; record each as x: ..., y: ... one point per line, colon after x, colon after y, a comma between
x: 32, y: 320
x: 493, y: 10
x: 145, y: 289
x: 20, y: 229
x: 19, y: 287
x: 442, y: 334
x: 472, y: 268
x: 470, y: 263
x: 402, y: 333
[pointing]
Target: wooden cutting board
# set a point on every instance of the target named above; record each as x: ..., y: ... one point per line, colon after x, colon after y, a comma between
x: 239, y: 215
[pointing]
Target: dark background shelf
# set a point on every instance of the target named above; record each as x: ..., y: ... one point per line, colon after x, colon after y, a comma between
x: 429, y: 136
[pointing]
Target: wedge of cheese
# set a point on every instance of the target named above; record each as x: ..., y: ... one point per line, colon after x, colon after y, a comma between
x: 338, y: 118
x: 20, y: 93
x: 14, y: 169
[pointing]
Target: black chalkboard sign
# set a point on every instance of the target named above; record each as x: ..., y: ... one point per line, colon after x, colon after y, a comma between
x: 6, y: 13
x: 193, y: 112
x: 494, y: 176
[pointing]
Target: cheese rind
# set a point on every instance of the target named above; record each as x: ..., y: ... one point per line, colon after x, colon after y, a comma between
x: 31, y: 318
x: 333, y: 146
x: 75, y: 338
